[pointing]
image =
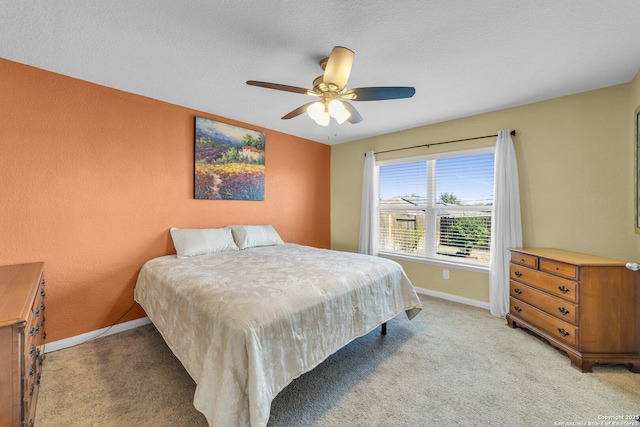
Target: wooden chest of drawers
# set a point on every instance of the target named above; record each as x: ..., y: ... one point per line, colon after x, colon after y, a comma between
x: 585, y: 305
x: 21, y: 342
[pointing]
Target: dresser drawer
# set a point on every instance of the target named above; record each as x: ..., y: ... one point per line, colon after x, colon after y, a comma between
x: 34, y: 351
x: 555, y: 285
x: 524, y: 259
x: 26, y: 409
x: 560, y: 268
x: 558, y: 307
x: 34, y: 333
x: 29, y: 387
x: 562, y: 331
x: 30, y: 406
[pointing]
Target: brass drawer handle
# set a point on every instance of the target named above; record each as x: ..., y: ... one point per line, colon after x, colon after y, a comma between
x: 563, y: 289
x: 517, y: 291
x: 516, y: 308
x: 521, y: 260
x: 518, y: 274
x: 563, y: 332
x: 563, y: 310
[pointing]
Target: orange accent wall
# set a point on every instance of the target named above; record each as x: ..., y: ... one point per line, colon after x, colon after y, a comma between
x: 92, y: 178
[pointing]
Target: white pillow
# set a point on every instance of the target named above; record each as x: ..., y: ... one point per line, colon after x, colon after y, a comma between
x: 249, y: 236
x: 193, y: 241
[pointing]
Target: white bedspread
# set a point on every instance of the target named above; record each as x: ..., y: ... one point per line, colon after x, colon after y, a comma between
x: 245, y: 324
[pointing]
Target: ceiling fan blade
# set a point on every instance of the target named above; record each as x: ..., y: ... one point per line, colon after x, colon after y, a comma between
x: 379, y: 93
x: 285, y: 88
x: 355, y: 117
x: 338, y: 67
x: 300, y: 110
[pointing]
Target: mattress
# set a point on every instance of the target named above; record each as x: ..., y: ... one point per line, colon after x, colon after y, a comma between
x: 244, y: 324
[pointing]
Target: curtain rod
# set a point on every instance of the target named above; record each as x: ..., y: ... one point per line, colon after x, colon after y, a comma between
x: 513, y: 132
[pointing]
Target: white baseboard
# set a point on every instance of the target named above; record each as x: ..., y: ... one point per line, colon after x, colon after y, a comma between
x: 454, y: 298
x: 104, y: 332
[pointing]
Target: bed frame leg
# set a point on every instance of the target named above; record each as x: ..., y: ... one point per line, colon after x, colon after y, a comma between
x: 384, y: 329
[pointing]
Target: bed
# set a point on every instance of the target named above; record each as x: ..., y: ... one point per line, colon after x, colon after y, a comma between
x: 245, y: 322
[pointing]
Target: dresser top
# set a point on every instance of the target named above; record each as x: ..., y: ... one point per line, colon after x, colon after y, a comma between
x: 569, y: 257
x: 18, y: 287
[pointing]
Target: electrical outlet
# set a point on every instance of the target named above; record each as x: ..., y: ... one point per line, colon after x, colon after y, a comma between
x: 445, y: 274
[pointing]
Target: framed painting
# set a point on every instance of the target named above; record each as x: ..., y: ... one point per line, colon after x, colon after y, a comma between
x: 229, y: 162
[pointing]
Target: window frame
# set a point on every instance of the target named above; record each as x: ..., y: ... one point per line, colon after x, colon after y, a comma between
x: 424, y: 258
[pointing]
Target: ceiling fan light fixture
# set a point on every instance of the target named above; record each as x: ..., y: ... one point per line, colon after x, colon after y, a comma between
x: 343, y: 118
x: 315, y: 110
x: 338, y: 111
x: 324, y: 119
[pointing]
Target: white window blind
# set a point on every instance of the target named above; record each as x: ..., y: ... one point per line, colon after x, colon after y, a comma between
x: 438, y: 207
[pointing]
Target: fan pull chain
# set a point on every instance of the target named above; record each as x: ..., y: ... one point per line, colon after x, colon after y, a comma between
x: 334, y: 123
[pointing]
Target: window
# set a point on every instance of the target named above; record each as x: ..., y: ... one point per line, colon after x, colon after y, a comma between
x: 438, y: 207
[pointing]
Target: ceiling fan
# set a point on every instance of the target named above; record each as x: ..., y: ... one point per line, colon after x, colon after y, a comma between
x: 330, y: 87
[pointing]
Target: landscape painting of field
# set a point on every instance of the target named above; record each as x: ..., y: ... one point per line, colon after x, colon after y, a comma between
x: 229, y: 162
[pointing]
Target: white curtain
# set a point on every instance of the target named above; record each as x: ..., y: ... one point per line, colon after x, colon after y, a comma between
x: 369, y: 218
x: 506, y: 224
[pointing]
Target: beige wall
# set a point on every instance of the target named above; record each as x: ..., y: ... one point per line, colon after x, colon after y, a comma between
x: 576, y: 168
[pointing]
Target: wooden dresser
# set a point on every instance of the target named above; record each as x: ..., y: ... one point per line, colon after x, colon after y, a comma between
x: 21, y: 342
x: 586, y: 305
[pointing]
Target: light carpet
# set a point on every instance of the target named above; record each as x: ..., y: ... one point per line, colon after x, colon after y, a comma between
x: 452, y: 365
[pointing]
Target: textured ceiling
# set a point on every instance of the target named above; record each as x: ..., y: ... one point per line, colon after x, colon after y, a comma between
x: 463, y: 57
